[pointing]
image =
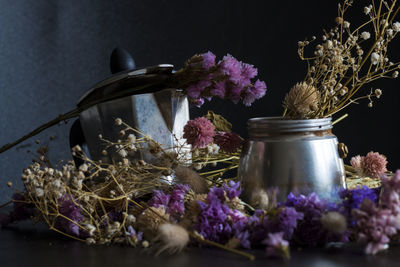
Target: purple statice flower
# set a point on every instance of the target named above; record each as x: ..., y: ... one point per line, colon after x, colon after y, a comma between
x: 176, y: 206
x: 352, y: 199
x: 217, y: 222
x: 208, y: 60
x: 229, y: 78
x: 133, y: 236
x: 277, y: 246
x: 254, y: 92
x: 174, y: 203
x: 231, y: 68
x: 159, y: 198
x: 226, y: 191
x: 69, y: 209
x: 310, y: 229
x: 219, y: 89
x: 22, y: 210
x: 199, y: 132
x: 228, y: 141
x: 284, y: 221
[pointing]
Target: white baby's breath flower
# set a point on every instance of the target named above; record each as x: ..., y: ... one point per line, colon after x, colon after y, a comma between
x: 123, y: 153
x: 396, y: 26
x: 367, y: 10
x: 118, y: 121
x: 131, y: 138
x: 375, y: 58
x: 395, y: 74
x: 365, y: 35
x: 39, y: 192
x: 346, y: 24
x: 83, y: 167
x: 378, y: 93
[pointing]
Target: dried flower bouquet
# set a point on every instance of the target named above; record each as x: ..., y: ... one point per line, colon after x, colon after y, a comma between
x: 348, y: 58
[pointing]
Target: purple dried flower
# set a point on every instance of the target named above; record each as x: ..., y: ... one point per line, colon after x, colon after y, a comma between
x: 285, y: 221
x: 159, y: 198
x: 277, y: 246
x: 199, y: 132
x: 208, y: 60
x: 174, y: 203
x: 248, y: 71
x: 70, y: 210
x: 219, y: 89
x: 352, y: 199
x: 219, y: 223
x: 228, y: 141
x: 310, y: 230
x: 254, y: 92
x: 230, y: 79
x: 133, y: 236
x: 231, y: 67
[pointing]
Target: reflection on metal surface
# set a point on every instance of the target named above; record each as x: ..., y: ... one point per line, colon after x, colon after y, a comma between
x: 161, y: 115
x: 293, y: 156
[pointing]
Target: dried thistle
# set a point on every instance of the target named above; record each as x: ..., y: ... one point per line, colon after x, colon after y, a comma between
x: 302, y: 100
x: 190, y: 177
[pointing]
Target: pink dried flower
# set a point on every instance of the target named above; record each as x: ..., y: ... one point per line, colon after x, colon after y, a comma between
x: 199, y: 132
x: 374, y: 164
x: 228, y: 142
x: 356, y: 163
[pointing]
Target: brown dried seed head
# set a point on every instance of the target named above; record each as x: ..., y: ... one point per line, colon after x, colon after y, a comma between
x: 301, y: 100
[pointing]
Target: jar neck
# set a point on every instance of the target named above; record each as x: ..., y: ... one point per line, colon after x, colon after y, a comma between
x: 278, y: 126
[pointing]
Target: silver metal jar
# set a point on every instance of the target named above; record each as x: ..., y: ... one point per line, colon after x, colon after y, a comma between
x: 299, y: 156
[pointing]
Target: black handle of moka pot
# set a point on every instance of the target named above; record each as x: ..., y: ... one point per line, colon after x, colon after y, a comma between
x: 120, y: 60
x: 76, y: 137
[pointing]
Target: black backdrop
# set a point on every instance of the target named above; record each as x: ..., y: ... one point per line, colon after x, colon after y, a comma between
x: 52, y: 51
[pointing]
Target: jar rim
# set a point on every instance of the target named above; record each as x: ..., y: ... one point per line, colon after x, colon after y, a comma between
x: 278, y: 124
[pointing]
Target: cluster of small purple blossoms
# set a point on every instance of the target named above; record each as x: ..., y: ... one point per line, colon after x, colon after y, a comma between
x: 376, y: 223
x: 21, y: 210
x: 227, y: 79
x: 174, y: 203
x: 310, y: 230
x: 70, y: 210
x: 217, y: 221
x: 200, y: 132
x: 352, y: 199
x: 372, y: 165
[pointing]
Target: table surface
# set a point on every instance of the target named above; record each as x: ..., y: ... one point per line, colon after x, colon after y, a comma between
x: 26, y: 244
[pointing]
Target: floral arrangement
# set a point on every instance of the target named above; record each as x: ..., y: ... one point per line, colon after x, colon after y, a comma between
x: 133, y: 202
x: 345, y: 61
x: 186, y: 197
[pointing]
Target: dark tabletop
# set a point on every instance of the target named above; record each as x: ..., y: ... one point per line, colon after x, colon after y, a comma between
x: 26, y: 245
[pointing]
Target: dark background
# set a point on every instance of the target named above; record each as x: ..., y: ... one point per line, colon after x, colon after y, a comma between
x: 53, y: 51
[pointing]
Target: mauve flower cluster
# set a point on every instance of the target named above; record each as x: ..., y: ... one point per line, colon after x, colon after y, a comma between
x: 376, y: 223
x: 310, y: 230
x: 173, y: 203
x: 200, y: 132
x: 372, y: 165
x: 229, y: 78
x: 69, y: 209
